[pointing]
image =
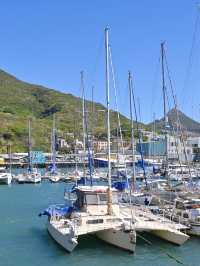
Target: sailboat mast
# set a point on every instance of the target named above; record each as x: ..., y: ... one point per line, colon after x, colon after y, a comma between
x: 132, y: 129
x: 154, y: 134
x: 83, y: 118
x: 164, y: 105
x: 93, y: 123
x: 107, y: 74
x: 10, y: 158
x: 54, y: 144
x: 29, y: 146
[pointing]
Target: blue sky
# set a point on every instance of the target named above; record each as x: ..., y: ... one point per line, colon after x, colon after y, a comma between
x: 49, y: 42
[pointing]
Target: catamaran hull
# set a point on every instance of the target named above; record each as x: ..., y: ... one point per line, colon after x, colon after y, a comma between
x: 65, y: 240
x: 120, y: 238
x: 177, y: 238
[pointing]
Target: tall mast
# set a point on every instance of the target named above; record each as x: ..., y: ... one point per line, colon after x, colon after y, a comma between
x: 83, y: 118
x: 132, y: 128
x: 164, y: 105
x: 154, y: 134
x: 10, y: 158
x: 93, y: 122
x: 54, y: 145
x: 108, y: 117
x: 29, y: 145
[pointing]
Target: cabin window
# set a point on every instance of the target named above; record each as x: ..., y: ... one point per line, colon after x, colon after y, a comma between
x: 103, y: 198
x: 80, y: 200
x: 91, y: 199
x: 96, y: 221
x: 185, y: 215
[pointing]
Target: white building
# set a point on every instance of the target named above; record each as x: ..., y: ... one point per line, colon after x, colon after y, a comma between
x: 178, y: 149
x: 194, y: 142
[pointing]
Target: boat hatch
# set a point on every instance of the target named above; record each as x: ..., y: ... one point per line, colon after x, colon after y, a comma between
x: 95, y: 221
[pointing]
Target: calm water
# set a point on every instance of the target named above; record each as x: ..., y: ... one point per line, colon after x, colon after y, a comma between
x: 24, y: 240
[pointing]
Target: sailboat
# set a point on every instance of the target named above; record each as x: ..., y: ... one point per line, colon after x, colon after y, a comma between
x: 78, y: 175
x: 93, y: 209
x: 6, y: 176
x: 32, y: 175
x: 145, y: 220
x: 53, y: 176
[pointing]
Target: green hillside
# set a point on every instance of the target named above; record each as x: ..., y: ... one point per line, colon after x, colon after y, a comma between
x: 20, y: 100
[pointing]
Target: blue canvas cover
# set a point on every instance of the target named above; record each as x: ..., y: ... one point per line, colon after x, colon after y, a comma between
x: 120, y: 185
x: 57, y: 210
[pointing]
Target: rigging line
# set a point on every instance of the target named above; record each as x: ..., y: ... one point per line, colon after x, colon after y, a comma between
x: 86, y: 132
x: 139, y: 110
x: 161, y: 249
x: 190, y: 63
x: 175, y: 136
x: 117, y: 109
x: 97, y: 59
x: 155, y: 80
x: 83, y: 119
x: 138, y: 131
x: 170, y: 80
x: 92, y: 123
x: 90, y: 160
x: 181, y: 135
x: 177, y: 114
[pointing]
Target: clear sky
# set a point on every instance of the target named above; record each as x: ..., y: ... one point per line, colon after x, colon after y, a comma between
x: 49, y: 42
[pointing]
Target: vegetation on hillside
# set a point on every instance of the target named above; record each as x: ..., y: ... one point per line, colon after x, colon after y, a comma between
x: 20, y: 100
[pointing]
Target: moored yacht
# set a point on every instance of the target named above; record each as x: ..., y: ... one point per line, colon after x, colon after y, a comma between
x: 29, y: 177
x: 33, y: 177
x: 188, y: 211
x: 54, y: 178
x: 89, y: 215
x: 5, y: 177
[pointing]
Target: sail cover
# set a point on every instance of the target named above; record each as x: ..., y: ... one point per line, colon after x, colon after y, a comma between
x: 57, y: 210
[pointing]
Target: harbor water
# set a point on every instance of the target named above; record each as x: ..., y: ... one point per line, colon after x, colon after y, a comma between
x: 24, y: 240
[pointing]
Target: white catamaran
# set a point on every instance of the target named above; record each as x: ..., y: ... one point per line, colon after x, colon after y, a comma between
x: 95, y: 209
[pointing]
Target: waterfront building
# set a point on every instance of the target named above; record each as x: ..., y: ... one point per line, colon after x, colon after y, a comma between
x: 194, y: 142
x: 176, y: 149
x: 100, y: 145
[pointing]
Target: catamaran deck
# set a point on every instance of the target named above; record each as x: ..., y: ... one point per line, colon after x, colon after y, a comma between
x: 145, y: 220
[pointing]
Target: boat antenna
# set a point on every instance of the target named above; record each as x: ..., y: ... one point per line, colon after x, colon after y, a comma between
x: 107, y: 74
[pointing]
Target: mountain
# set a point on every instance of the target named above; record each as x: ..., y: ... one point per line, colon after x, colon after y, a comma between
x: 20, y: 100
x: 186, y: 123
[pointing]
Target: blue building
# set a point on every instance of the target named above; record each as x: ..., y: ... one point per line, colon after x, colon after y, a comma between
x: 152, y: 148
